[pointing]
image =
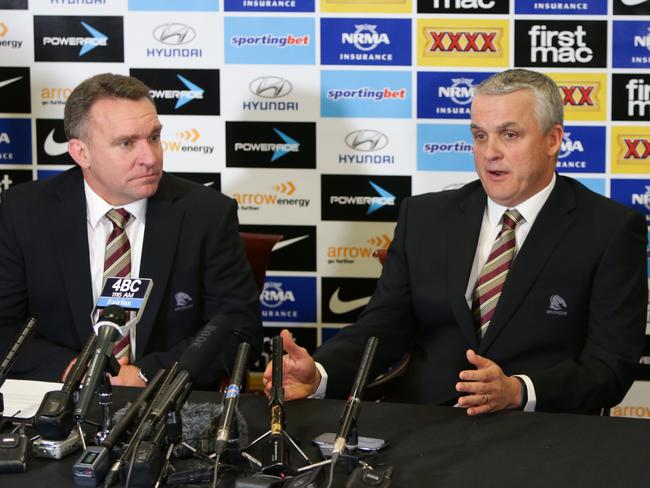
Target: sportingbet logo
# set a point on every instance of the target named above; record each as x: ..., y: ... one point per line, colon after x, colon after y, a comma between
x: 270, y: 40
x: 87, y: 43
x: 182, y: 97
x: 367, y: 94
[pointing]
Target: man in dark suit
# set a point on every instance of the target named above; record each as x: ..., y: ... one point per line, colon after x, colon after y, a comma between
x: 558, y: 327
x: 54, y: 254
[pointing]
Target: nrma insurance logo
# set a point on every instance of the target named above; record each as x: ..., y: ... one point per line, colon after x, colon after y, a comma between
x: 15, y: 141
x: 366, y: 41
x: 631, y: 44
x: 444, y: 147
x: 632, y: 193
x: 264, y: 40
x: 268, y: 5
x: 582, y: 150
x: 446, y: 95
x: 289, y: 299
x: 366, y: 94
x: 176, y: 5
x: 582, y: 7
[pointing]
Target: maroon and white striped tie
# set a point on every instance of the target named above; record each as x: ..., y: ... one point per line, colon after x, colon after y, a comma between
x: 117, y: 262
x: 493, y: 275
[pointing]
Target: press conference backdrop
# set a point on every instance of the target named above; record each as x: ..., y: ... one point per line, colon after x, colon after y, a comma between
x: 320, y: 116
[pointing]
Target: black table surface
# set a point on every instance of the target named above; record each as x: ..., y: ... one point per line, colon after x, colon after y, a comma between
x: 443, y: 447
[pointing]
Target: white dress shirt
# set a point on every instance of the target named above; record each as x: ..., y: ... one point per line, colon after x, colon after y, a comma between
x: 490, y: 227
x: 100, y: 227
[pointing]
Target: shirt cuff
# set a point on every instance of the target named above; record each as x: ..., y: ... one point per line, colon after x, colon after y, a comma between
x: 322, y: 387
x: 532, y: 398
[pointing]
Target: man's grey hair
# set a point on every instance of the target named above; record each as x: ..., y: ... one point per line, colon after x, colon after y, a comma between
x: 95, y: 88
x: 548, y: 105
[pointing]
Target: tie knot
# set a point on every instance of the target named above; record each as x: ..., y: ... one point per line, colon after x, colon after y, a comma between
x: 118, y: 216
x: 511, y: 218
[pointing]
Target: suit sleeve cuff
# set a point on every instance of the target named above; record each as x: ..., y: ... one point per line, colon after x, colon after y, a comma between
x: 322, y: 387
x: 531, y: 402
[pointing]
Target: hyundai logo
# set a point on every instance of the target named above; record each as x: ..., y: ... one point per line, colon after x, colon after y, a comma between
x: 174, y: 34
x: 366, y: 140
x: 270, y: 87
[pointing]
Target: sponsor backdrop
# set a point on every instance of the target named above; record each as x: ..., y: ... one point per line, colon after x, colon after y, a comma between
x: 321, y: 116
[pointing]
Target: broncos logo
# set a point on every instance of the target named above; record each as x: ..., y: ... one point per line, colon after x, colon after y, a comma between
x: 557, y: 303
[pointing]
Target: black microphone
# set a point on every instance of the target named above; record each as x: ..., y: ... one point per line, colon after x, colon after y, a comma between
x: 208, y: 343
x: 231, y: 398
x: 10, y: 358
x: 353, y: 404
x: 53, y: 420
x: 275, y: 456
x: 109, y: 329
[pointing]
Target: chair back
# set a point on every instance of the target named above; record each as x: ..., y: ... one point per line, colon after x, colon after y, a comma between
x: 258, y: 249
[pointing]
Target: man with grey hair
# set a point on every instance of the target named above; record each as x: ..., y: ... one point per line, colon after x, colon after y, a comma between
x: 522, y: 289
x: 117, y: 214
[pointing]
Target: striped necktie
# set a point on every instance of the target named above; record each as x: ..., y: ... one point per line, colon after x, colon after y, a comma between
x: 117, y: 262
x: 493, y: 275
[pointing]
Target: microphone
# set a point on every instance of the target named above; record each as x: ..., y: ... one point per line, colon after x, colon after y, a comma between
x: 53, y: 420
x: 109, y: 329
x: 231, y: 398
x: 275, y: 456
x: 210, y: 340
x: 353, y: 403
x: 10, y: 358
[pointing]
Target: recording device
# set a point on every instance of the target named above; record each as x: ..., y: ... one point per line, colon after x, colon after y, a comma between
x: 109, y: 329
x: 15, y: 452
x: 325, y: 443
x: 365, y: 475
x: 275, y: 453
x: 353, y: 404
x: 53, y: 420
x: 231, y: 398
x: 56, y: 449
x: 10, y: 358
x: 148, y: 460
x: 92, y: 466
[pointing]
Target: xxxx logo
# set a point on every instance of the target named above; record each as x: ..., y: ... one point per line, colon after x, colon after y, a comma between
x: 191, y: 135
x: 462, y: 41
x: 287, y: 188
x: 578, y: 95
x: 637, y: 148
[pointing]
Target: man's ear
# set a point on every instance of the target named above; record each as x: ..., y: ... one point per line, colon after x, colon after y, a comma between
x: 79, y: 152
x: 556, y: 135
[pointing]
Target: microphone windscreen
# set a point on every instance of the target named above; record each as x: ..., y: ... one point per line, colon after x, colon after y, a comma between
x: 206, y: 346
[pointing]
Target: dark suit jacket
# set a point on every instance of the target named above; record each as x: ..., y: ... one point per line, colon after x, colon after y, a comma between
x: 191, y: 245
x: 583, y: 248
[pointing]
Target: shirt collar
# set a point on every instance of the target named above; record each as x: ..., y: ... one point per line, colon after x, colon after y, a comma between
x: 96, y: 207
x: 528, y: 208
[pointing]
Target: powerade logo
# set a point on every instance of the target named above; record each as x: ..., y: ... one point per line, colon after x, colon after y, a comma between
x: 444, y: 148
x: 271, y: 144
x: 269, y: 5
x: 582, y: 150
x: 263, y: 40
x: 447, y: 95
x: 574, y: 7
x: 561, y: 43
x: 80, y: 39
x: 15, y: 141
x: 366, y: 41
x: 631, y: 44
x: 12, y: 177
x: 289, y: 299
x: 355, y: 197
x: 632, y: 193
x: 176, y: 5
x: 182, y: 92
x: 366, y: 94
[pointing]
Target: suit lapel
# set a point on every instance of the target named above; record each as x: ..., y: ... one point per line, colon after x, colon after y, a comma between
x: 162, y: 230
x: 462, y: 233
x: 553, y: 221
x: 68, y: 228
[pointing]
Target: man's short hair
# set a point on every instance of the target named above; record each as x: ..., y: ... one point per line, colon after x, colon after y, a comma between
x: 95, y: 88
x: 548, y: 108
